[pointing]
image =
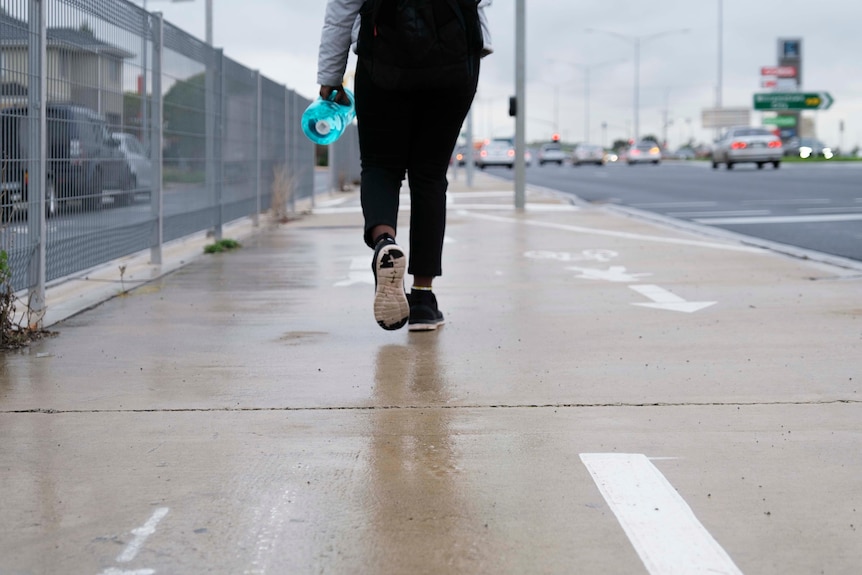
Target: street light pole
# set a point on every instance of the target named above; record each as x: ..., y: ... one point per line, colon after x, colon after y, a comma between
x: 586, y: 69
x: 720, y: 53
x: 636, y: 42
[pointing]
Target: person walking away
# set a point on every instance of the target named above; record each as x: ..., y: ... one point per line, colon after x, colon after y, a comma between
x: 416, y: 76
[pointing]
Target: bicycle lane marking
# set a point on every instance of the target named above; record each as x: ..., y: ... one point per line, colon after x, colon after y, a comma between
x: 660, y: 525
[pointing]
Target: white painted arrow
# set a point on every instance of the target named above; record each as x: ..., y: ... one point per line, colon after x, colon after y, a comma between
x: 663, y: 299
x: 612, y: 274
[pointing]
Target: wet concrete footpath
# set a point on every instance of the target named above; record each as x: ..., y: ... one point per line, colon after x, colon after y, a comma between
x: 609, y: 395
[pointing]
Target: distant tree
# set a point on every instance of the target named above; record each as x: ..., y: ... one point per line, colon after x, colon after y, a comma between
x: 620, y: 145
x: 185, y: 120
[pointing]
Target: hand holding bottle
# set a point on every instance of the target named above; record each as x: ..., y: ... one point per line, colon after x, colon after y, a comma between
x: 328, y: 116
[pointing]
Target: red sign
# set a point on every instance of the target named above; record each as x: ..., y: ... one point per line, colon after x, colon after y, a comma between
x: 779, y: 71
x: 768, y: 83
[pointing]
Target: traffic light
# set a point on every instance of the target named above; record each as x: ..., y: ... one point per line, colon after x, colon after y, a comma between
x: 555, y: 138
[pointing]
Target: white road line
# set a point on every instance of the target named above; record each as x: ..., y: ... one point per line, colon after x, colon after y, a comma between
x: 625, y: 235
x: 835, y: 210
x: 786, y: 202
x: 693, y: 204
x: 141, y: 534
x: 716, y: 213
x: 659, y: 523
x: 781, y: 219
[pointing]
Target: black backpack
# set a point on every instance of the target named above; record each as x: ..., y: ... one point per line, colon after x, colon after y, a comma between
x: 416, y: 44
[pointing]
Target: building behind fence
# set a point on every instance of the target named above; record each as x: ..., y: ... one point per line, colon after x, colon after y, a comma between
x: 130, y: 133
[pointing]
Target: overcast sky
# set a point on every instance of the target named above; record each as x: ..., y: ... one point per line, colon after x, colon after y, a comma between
x: 678, y: 71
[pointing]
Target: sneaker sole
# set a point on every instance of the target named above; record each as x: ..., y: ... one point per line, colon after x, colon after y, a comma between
x: 391, y: 310
x: 425, y: 326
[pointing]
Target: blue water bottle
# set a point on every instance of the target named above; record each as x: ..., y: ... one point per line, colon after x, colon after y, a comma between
x: 325, y: 120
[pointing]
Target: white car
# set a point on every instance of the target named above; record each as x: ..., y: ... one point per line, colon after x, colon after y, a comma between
x: 496, y: 153
x: 137, y: 162
x: 747, y: 144
x: 645, y: 152
x: 551, y: 154
x: 588, y: 154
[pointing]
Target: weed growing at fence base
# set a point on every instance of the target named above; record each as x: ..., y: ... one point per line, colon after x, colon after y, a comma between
x: 14, y: 333
x: 222, y: 246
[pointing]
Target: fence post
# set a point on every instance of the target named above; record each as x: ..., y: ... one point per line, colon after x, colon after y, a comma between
x: 156, y: 128
x: 216, y: 113
x: 288, y: 155
x: 257, y: 149
x: 37, y: 165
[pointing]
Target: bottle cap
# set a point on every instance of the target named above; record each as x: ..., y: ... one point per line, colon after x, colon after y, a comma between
x: 322, y: 127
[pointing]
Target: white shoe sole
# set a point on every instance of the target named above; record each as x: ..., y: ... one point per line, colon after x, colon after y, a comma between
x: 425, y: 326
x: 391, y: 309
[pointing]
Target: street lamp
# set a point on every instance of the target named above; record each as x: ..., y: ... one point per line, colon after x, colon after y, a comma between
x: 636, y: 41
x: 586, y: 68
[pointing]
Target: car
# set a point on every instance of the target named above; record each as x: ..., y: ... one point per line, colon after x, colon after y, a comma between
x: 807, y: 148
x: 551, y: 154
x: 588, y: 154
x: 498, y: 152
x: 83, y: 159
x: 140, y: 168
x: 644, y: 152
x: 743, y: 144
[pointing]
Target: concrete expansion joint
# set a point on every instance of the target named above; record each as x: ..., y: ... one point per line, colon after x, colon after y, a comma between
x: 371, y: 408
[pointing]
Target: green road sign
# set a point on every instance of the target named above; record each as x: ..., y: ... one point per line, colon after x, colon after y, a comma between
x: 780, y: 121
x: 792, y: 101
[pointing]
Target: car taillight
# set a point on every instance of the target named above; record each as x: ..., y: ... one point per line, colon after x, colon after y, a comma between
x: 511, y: 153
x: 636, y: 152
x: 738, y: 145
x: 483, y: 153
x: 654, y: 150
x: 774, y: 144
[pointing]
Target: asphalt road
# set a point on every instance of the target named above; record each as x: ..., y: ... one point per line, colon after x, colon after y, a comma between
x: 815, y: 207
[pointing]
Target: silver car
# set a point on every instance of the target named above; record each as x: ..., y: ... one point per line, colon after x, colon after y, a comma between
x: 747, y: 144
x: 499, y: 152
x: 138, y: 164
x: 644, y: 152
x: 588, y: 154
x: 551, y: 154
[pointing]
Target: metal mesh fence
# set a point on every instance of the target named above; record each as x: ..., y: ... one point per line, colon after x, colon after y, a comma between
x: 119, y: 132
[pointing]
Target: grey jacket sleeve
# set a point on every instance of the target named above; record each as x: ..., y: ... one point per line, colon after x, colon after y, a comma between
x: 335, y: 40
x: 487, y: 46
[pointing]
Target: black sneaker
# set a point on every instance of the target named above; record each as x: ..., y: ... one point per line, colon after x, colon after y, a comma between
x: 424, y: 314
x: 390, y: 302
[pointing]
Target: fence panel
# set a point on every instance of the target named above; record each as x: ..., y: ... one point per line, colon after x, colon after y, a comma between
x: 225, y: 138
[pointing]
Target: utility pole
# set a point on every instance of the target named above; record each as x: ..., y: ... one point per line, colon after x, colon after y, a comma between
x: 520, y: 103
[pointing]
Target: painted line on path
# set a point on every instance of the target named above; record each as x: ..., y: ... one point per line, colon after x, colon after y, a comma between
x: 659, y: 523
x: 141, y: 534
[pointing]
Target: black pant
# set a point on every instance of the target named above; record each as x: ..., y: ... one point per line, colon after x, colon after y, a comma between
x: 413, y: 132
